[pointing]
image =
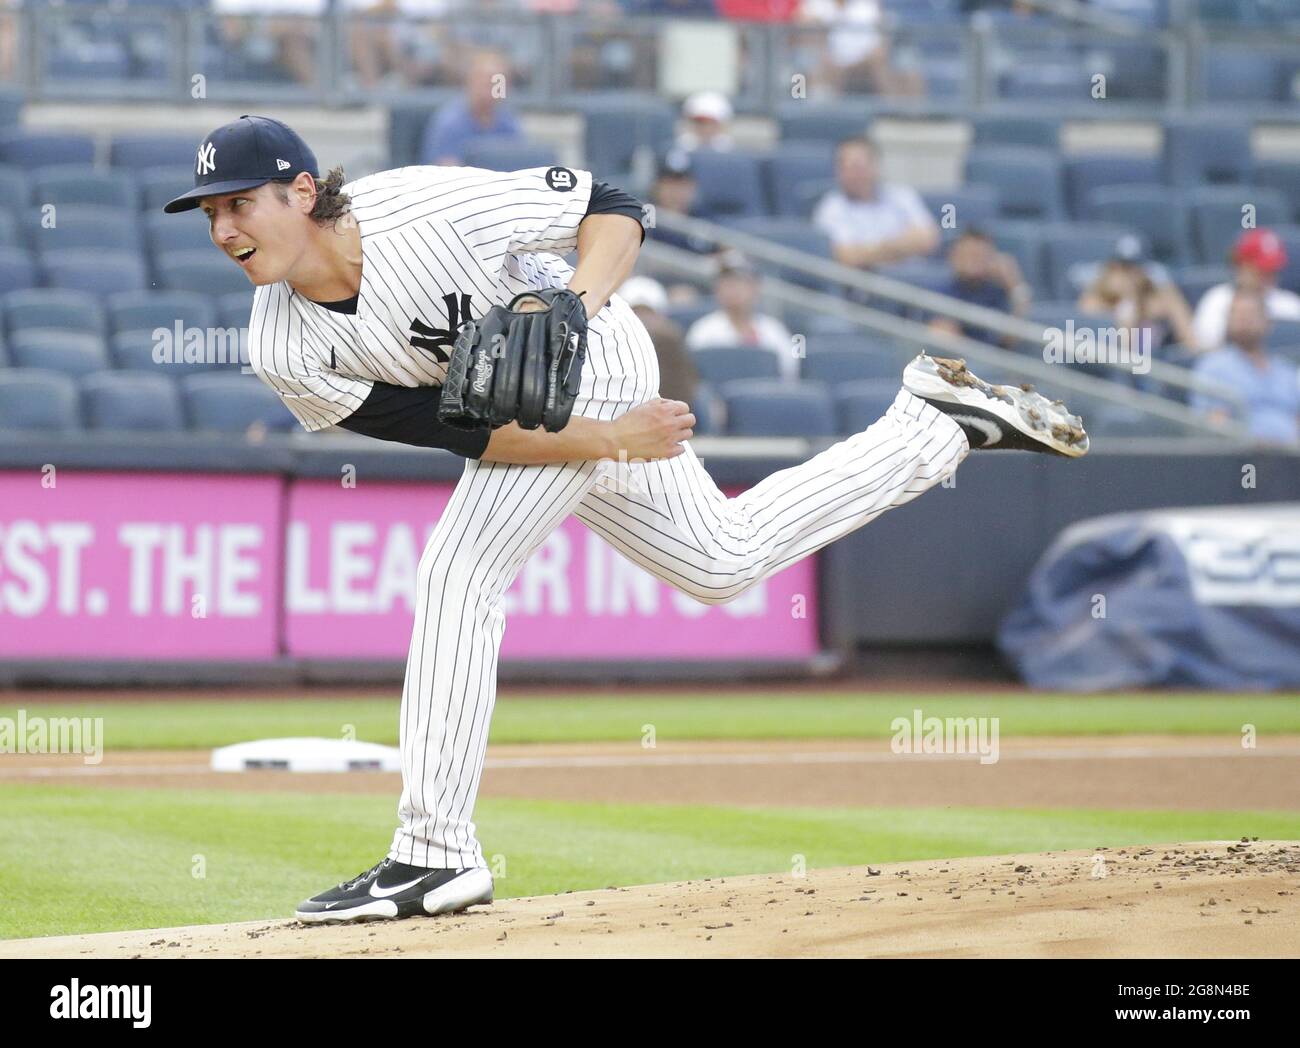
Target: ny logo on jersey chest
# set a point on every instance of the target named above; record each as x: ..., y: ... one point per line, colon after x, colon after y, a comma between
x: 439, y: 340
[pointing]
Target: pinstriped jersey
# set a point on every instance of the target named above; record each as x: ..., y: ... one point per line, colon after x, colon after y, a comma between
x: 440, y: 245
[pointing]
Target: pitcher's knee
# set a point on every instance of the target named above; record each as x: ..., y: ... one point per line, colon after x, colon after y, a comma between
x: 716, y: 589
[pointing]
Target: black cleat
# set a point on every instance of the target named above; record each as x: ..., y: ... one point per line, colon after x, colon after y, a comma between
x: 391, y: 890
x: 1013, y: 418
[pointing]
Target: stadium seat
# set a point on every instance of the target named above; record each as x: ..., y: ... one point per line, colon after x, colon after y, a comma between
x: 1067, y: 246
x: 793, y: 167
x: 719, y: 364
x: 406, y: 123
x: 704, y: 405
x: 17, y: 270
x: 687, y: 313
x: 758, y: 407
x: 1027, y: 181
x: 616, y: 130
x: 1159, y: 215
x: 161, y: 184
x: 1118, y: 422
x: 137, y: 152
x: 835, y: 363
x: 1054, y: 80
x: 185, y: 232
x: 1289, y: 278
x: 199, y: 271
x: 139, y: 350
x: 971, y: 206
x: 1083, y: 174
x: 52, y: 308
x: 230, y: 403
x: 1233, y: 75
x: 1024, y: 242
x: 70, y: 352
x: 728, y: 184
x: 146, y: 310
x: 1201, y: 150
x: 497, y: 155
x: 801, y: 120
x: 859, y: 404
x: 130, y: 401
x: 12, y: 234
x: 32, y: 149
x: 792, y: 233
x: 1284, y: 176
x: 76, y: 226
x: 80, y: 184
x: 1217, y: 216
x: 234, y: 308
x: 33, y: 400
x: 15, y: 186
x: 927, y: 273
x: 1195, y: 281
x: 96, y: 272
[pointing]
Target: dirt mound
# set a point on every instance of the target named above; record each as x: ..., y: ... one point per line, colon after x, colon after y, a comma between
x: 1215, y: 899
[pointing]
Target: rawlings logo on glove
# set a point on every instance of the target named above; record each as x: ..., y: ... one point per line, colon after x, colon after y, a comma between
x: 514, y: 366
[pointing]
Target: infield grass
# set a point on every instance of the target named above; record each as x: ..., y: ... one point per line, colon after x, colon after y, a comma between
x: 598, y: 717
x: 84, y: 859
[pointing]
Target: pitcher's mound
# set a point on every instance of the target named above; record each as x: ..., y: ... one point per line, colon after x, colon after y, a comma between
x: 1216, y: 899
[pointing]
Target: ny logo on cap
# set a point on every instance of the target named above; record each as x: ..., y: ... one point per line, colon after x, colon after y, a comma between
x: 207, y: 158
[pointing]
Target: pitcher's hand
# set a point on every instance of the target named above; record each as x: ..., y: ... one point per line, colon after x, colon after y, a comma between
x: 653, y: 430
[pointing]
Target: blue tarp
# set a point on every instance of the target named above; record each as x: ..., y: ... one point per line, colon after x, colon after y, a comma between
x: 1175, y: 598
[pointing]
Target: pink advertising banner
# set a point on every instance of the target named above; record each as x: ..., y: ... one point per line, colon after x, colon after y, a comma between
x: 350, y: 560
x: 139, y: 565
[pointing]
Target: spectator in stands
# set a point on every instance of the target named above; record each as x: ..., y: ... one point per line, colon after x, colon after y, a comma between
x: 673, y: 193
x: 1257, y: 258
x: 708, y: 122
x: 1269, y: 386
x: 855, y: 55
x: 982, y: 276
x: 1140, y: 296
x: 678, y: 376
x: 268, y: 33
x: 737, y: 322
x: 480, y: 113
x: 872, y: 223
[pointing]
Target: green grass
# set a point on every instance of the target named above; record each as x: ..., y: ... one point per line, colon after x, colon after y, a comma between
x: 597, y: 717
x: 81, y: 859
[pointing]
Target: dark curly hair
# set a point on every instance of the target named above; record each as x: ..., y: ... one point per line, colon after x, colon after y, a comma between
x: 331, y: 202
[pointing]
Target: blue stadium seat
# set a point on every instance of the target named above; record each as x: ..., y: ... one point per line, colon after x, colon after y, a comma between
x: 1232, y: 75
x: 704, y: 405
x: 687, y: 313
x: 406, y: 124
x: 15, y: 186
x: 859, y: 404
x: 794, y: 167
x: 1055, y: 80
x: 793, y: 233
x: 1155, y: 212
x: 1027, y: 181
x: 616, y: 129
x: 1068, y: 246
x: 70, y: 352
x: 161, y: 184
x: 97, y: 272
x: 83, y: 226
x: 146, y: 310
x: 199, y: 271
x: 928, y: 273
x: 1118, y: 422
x: 230, y: 403
x: 143, y: 151
x: 130, y: 401
x: 81, y: 184
x: 17, y: 270
x: 1289, y: 278
x: 52, y: 308
x: 971, y: 206
x: 1086, y: 173
x: 1202, y: 150
x: 758, y: 407
x: 719, y: 364
x: 32, y: 149
x: 833, y: 362
x: 33, y: 400
x: 234, y: 308
x: 1023, y: 241
x: 12, y: 234
x: 1217, y: 216
x: 1195, y: 281
x: 1284, y: 176
x: 497, y: 155
x: 728, y: 184
x: 822, y: 122
x: 184, y: 232
x: 139, y: 350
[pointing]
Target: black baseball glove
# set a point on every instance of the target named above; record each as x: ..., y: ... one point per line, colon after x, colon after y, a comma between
x: 516, y: 366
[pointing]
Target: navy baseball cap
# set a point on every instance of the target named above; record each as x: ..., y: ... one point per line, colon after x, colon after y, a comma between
x: 244, y: 154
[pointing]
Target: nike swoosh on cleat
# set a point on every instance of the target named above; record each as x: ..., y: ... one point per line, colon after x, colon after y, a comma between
x: 383, y: 893
x: 992, y: 432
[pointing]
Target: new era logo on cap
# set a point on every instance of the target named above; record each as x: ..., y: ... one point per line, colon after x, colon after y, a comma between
x: 282, y: 165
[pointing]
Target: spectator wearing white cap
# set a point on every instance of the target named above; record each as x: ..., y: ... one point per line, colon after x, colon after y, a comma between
x: 738, y: 322
x: 708, y: 122
x: 678, y: 376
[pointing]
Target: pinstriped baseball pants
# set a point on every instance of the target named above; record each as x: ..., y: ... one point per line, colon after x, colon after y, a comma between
x: 667, y: 516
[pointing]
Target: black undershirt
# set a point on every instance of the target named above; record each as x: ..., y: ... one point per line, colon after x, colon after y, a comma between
x: 410, y: 415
